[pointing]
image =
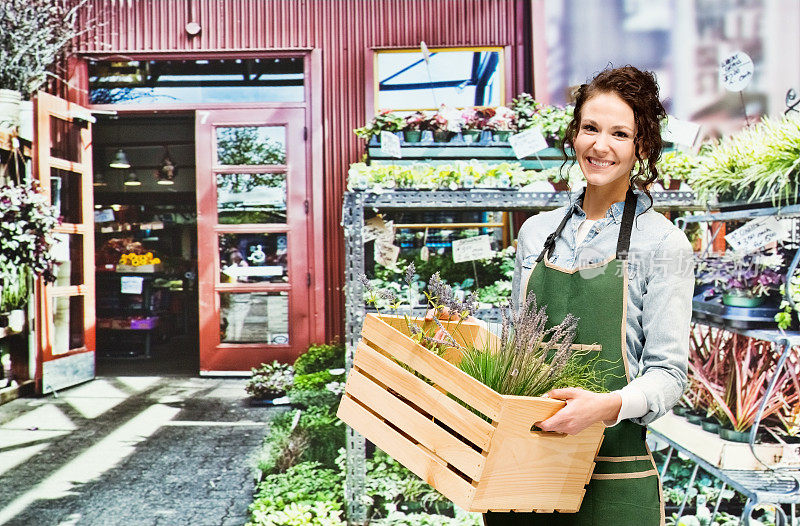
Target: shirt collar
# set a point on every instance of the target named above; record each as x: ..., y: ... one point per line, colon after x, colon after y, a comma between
x: 616, y: 210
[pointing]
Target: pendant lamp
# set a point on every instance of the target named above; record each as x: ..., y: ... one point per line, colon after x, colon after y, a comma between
x: 132, y: 180
x: 98, y: 179
x: 120, y: 160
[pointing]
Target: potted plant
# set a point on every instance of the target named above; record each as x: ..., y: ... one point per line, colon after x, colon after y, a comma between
x: 473, y: 123
x: 743, y: 280
x: 414, y: 126
x: 383, y: 121
x: 35, y: 32
x: 502, y: 123
x: 444, y: 124
x: 553, y: 121
x: 674, y: 167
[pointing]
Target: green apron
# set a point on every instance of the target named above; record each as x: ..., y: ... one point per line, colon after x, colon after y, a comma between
x: 625, y: 488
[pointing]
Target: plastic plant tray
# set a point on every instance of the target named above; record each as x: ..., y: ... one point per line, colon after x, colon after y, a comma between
x: 713, y: 310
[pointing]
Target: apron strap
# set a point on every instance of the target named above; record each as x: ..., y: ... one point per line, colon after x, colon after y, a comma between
x: 625, y: 229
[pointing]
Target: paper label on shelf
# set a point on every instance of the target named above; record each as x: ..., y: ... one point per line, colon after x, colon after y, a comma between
x: 680, y: 132
x: 374, y: 228
x: 390, y: 144
x: 386, y: 254
x: 131, y: 284
x: 472, y: 248
x: 736, y: 71
x: 103, y: 216
x: 755, y: 234
x: 528, y: 142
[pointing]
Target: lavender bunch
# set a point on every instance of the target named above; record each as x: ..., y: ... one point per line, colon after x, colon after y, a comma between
x: 531, y: 359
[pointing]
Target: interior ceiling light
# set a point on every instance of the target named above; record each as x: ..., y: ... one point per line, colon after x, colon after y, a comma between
x: 132, y: 180
x: 98, y: 179
x: 120, y: 160
x: 165, y: 174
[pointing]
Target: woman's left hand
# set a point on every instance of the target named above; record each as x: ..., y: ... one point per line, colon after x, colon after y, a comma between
x: 583, y: 409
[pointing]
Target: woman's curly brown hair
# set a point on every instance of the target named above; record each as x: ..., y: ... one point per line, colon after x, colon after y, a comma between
x: 640, y: 91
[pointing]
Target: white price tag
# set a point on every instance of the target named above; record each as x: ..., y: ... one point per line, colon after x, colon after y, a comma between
x: 528, y: 142
x: 390, y: 144
x: 736, y: 71
x: 103, y: 216
x: 263, y: 271
x: 472, y: 248
x: 376, y: 228
x: 755, y: 234
x: 386, y: 254
x: 60, y: 249
x: 680, y: 132
x: 131, y: 284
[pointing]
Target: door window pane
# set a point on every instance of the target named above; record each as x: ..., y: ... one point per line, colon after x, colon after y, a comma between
x: 65, y: 139
x: 254, y: 317
x: 65, y: 195
x: 251, y: 198
x: 253, y: 258
x: 67, y: 324
x: 68, y: 252
x: 251, y: 145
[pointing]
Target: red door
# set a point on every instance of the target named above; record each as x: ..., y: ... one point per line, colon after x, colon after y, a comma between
x: 252, y: 233
x: 65, y: 318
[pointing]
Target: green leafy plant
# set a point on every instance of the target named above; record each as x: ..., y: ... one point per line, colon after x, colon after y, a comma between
x: 317, y: 514
x: 315, y: 381
x: 270, y: 380
x: 383, y: 121
x: 320, y: 357
x: 14, y: 291
x: 784, y: 317
x: 676, y: 165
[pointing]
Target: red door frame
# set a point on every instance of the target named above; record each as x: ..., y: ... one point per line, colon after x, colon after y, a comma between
x: 76, y: 367
x: 314, y: 145
x: 216, y: 357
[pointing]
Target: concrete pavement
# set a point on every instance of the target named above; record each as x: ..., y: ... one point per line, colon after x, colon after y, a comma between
x: 132, y: 451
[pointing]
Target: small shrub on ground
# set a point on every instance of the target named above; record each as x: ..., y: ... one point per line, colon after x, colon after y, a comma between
x: 320, y: 358
x: 270, y: 380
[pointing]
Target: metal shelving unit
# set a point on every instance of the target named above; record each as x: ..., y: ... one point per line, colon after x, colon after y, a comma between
x: 773, y: 486
x: 477, y: 199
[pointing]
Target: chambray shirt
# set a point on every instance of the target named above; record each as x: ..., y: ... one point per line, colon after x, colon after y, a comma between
x: 660, y: 285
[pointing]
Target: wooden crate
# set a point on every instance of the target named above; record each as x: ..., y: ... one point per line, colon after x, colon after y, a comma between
x: 500, y: 465
x: 724, y: 453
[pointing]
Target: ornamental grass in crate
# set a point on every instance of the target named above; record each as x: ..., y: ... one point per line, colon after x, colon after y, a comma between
x: 418, y: 390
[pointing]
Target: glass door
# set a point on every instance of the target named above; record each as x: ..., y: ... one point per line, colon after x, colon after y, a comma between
x: 65, y: 317
x: 252, y: 232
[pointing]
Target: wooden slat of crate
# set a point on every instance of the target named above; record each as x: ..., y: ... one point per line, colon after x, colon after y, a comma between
x: 412, y: 456
x: 536, y: 470
x: 418, y: 427
x: 428, y: 398
x: 452, y: 379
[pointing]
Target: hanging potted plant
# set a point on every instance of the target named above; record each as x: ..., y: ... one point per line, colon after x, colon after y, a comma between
x: 34, y: 33
x: 26, y: 240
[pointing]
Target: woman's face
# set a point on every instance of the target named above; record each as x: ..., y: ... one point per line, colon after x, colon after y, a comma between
x: 604, y: 145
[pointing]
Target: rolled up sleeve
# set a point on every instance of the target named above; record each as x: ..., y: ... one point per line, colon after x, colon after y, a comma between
x: 666, y: 317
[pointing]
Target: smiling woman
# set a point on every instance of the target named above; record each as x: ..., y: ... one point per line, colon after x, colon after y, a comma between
x: 598, y: 263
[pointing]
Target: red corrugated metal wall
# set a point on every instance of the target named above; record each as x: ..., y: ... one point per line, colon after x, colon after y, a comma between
x: 344, y: 31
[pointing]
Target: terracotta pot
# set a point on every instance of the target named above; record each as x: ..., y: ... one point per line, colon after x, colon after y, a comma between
x: 560, y: 186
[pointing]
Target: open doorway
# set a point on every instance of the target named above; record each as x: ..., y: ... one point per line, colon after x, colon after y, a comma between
x: 146, y: 244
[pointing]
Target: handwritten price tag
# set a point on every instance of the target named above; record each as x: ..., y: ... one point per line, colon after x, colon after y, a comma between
x: 386, y: 255
x: 131, y: 285
x: 755, y: 234
x: 736, y: 71
x: 390, y: 144
x: 528, y: 142
x: 472, y: 248
x: 373, y: 227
